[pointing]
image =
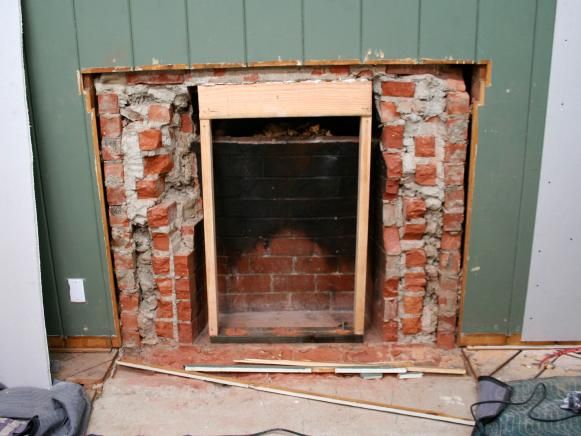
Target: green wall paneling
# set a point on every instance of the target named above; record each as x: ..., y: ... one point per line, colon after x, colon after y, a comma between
x: 274, y: 30
x: 539, y: 89
x: 448, y: 28
x: 66, y: 166
x: 332, y: 29
x: 507, y: 39
x: 390, y: 29
x: 159, y: 32
x: 216, y: 31
x: 104, y: 33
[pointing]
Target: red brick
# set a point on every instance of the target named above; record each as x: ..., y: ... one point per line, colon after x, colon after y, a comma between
x: 164, y: 285
x: 123, y: 261
x: 184, y: 311
x: 160, y: 164
x: 340, y: 70
x: 160, y: 241
x: 164, y: 329
x: 293, y: 283
x: 392, y: 136
x: 446, y: 340
x: 450, y: 261
x: 250, y: 283
x: 149, y: 139
x: 453, y: 221
x: 129, y: 320
x: 425, y: 146
x: 149, y: 188
x: 160, y: 265
x: 389, y: 331
x: 315, y: 264
x: 130, y: 338
x: 310, y: 301
x: 118, y: 216
x: 415, y: 258
x: 219, y: 72
x: 414, y: 207
x: 110, y: 153
x: 261, y: 264
x: 390, y: 287
x: 426, y: 174
x: 453, y: 174
x: 458, y: 128
x: 108, y: 104
x: 162, y: 214
x: 391, y: 190
x: 413, y: 305
x: 125, y: 280
x: 365, y: 73
x: 155, y: 78
x: 414, y: 231
x: 113, y: 174
x: 398, y: 89
x: 388, y: 111
x: 454, y: 198
x: 391, y: 240
x: 252, y: 77
x: 415, y: 281
x: 186, y: 124
x: 129, y: 302
x: 456, y: 84
x: 317, y: 72
x: 164, y: 309
x: 115, y: 196
x: 294, y: 247
x: 342, y: 300
x: 455, y: 153
x: 450, y: 242
x: 394, y: 165
x: 183, y: 264
x: 411, y: 326
x: 185, y: 333
x: 458, y: 103
x: 183, y: 289
x: 390, y: 309
x: 160, y: 114
x: 110, y: 126
x: 449, y: 283
x: 121, y: 237
x: 335, y: 282
x: 446, y: 323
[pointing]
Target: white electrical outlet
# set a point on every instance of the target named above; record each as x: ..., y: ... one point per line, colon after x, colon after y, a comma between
x: 77, y: 290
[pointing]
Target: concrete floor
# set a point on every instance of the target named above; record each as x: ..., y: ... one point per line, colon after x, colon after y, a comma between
x: 135, y: 402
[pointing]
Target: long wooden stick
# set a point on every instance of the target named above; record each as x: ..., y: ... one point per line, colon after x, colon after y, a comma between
x: 408, y: 365
x: 333, y: 399
x: 519, y: 347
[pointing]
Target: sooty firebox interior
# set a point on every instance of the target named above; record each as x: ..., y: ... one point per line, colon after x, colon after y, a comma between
x: 285, y: 207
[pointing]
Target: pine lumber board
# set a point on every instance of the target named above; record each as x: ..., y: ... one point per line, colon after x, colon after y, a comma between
x: 315, y: 396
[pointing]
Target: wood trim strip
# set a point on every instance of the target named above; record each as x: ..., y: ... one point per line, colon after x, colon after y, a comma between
x: 93, y: 343
x: 283, y: 100
x: 209, y: 224
x: 362, y: 224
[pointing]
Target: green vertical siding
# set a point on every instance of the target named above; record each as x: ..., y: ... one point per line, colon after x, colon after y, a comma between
x: 208, y: 21
x: 159, y: 32
x: 499, y: 167
x: 390, y: 29
x: 274, y: 30
x: 332, y: 29
x: 65, y: 162
x: 65, y: 35
x: 103, y: 33
x: 448, y: 29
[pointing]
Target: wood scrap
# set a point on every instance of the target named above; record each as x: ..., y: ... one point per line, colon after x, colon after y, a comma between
x: 409, y: 375
x: 320, y: 364
x: 249, y: 369
x: 326, y: 398
x: 519, y: 347
x: 436, y: 370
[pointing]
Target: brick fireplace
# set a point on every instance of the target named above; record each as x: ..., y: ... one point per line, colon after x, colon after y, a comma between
x: 285, y: 203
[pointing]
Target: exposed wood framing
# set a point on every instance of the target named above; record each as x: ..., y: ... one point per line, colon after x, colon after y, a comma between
x: 326, y: 398
x: 276, y: 100
x: 281, y: 100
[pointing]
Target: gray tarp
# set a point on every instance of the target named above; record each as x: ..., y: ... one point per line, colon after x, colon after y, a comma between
x: 62, y: 410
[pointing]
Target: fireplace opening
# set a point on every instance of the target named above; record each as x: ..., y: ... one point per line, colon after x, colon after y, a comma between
x: 286, y: 206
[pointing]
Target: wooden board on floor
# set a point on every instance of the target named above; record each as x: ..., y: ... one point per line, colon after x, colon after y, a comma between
x: 87, y: 369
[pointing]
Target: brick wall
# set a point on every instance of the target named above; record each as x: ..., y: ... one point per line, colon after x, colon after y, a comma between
x: 148, y: 149
x: 285, y: 224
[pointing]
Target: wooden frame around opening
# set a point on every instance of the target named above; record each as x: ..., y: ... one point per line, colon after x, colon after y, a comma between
x: 285, y: 100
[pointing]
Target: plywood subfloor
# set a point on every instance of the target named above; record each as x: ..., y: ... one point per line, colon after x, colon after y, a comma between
x: 291, y: 319
x: 88, y: 369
